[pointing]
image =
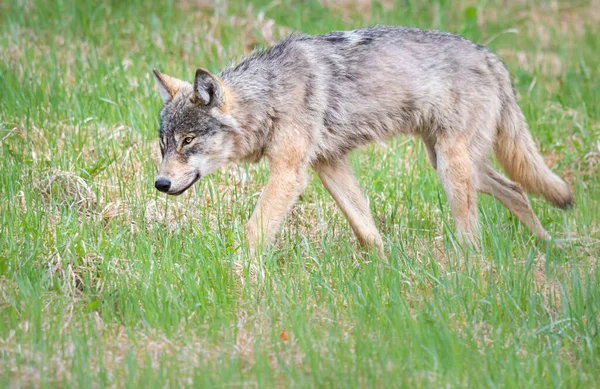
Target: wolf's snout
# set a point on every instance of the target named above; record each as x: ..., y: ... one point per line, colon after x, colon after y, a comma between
x: 162, y: 184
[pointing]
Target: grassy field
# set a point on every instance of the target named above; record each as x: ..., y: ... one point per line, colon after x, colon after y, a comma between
x: 106, y: 283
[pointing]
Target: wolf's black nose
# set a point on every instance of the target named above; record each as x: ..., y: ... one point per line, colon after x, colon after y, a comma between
x: 162, y: 184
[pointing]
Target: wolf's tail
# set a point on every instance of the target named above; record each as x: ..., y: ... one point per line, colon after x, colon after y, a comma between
x: 518, y: 155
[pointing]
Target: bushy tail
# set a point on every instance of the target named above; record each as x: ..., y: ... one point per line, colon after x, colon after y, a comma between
x: 523, y: 163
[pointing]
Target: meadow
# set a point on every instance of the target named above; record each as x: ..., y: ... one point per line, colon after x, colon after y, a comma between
x: 104, y: 282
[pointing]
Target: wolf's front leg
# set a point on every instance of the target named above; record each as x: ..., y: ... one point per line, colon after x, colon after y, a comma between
x: 339, y: 180
x: 286, y: 182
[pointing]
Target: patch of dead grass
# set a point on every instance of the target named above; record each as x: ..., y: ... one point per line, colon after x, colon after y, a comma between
x: 65, y: 188
x: 355, y: 7
x: 568, y: 20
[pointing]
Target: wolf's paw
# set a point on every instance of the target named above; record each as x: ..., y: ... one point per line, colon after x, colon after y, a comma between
x: 562, y: 243
x: 248, y: 271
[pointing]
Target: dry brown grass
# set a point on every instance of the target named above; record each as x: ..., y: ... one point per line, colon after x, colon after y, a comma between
x: 354, y: 7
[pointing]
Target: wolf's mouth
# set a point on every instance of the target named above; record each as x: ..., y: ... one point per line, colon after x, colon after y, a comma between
x: 196, y: 178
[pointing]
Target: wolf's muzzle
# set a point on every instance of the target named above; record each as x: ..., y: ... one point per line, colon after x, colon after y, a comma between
x: 162, y: 184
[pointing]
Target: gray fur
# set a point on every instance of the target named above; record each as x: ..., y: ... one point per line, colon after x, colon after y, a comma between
x: 312, y: 99
x: 368, y: 85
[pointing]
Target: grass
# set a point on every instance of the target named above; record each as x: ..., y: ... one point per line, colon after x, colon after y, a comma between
x: 104, y: 282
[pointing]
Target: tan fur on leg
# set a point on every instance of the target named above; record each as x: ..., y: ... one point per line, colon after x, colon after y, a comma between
x: 512, y: 196
x: 285, y: 184
x: 338, y: 179
x: 454, y: 168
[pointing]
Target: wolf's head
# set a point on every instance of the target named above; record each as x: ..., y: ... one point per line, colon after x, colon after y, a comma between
x: 196, y: 130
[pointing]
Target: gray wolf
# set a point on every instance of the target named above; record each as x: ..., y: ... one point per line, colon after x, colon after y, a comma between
x: 309, y: 100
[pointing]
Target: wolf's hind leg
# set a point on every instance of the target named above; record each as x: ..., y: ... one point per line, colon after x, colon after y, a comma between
x: 512, y: 196
x: 339, y: 180
x: 455, y: 169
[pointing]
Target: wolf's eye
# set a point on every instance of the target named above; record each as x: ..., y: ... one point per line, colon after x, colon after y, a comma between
x: 188, y: 140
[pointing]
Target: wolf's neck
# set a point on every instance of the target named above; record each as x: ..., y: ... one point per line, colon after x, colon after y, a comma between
x: 253, y: 107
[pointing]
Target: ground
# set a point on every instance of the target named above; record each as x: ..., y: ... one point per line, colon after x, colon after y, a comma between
x: 104, y: 282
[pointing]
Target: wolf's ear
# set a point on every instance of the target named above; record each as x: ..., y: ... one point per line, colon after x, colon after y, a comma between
x: 208, y: 89
x: 167, y: 86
